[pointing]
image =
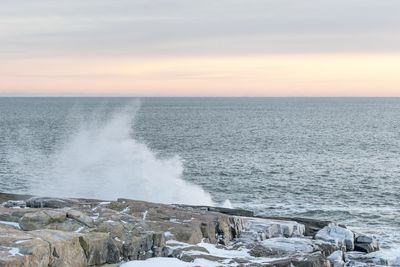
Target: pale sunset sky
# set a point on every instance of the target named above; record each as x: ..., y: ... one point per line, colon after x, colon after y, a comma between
x: 200, y: 48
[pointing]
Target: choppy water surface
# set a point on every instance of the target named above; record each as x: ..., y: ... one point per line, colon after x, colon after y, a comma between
x: 328, y: 158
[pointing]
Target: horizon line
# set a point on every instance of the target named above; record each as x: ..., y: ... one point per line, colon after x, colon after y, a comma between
x: 132, y: 96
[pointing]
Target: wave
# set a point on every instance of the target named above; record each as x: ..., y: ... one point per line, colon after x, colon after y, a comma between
x: 101, y: 159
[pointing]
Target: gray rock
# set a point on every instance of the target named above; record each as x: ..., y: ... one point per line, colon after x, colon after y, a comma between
x: 337, y: 235
x: 337, y: 259
x: 80, y: 217
x: 185, y: 253
x: 312, y: 226
x: 263, y: 251
x: 256, y: 229
x: 14, y: 204
x: 159, y: 245
x: 190, y: 257
x: 45, y: 202
x: 356, y: 258
x: 114, y: 254
x: 227, y: 211
x: 18, y: 248
x: 326, y: 248
x: 300, y: 253
x: 315, y: 259
x: 141, y: 246
x: 366, y: 244
x: 288, y: 246
x: 13, y: 215
x: 65, y: 248
x: 115, y: 228
x: 68, y: 225
x: 99, y: 248
x: 40, y: 219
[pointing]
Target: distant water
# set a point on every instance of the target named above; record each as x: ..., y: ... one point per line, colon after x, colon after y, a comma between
x: 326, y: 158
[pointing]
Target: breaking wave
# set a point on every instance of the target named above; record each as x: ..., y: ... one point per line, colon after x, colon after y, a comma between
x: 101, y: 159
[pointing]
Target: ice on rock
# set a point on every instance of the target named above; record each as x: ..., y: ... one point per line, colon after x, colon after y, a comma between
x: 261, y: 229
x: 289, y: 245
x: 13, y: 224
x: 336, y: 259
x: 340, y: 236
x: 14, y: 252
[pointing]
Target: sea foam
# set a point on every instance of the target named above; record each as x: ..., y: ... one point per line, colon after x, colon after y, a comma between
x: 101, y: 159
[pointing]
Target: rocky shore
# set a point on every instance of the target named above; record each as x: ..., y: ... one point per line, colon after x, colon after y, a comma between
x: 39, y: 231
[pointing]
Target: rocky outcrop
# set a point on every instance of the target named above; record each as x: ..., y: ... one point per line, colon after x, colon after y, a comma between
x: 37, y: 231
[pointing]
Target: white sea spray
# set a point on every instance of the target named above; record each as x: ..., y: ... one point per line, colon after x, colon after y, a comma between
x: 101, y: 159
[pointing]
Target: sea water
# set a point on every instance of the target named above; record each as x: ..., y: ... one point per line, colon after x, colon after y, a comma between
x: 323, y: 158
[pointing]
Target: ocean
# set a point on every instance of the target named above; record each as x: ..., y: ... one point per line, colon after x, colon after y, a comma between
x: 323, y: 158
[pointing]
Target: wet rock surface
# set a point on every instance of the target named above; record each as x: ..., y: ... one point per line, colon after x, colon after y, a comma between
x: 40, y: 231
x: 337, y: 235
x: 365, y: 244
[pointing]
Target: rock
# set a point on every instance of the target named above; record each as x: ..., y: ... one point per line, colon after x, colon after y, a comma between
x: 99, y: 248
x: 114, y: 254
x: 87, y: 232
x: 291, y: 252
x: 176, y: 252
x: 227, y: 211
x: 366, y: 244
x: 259, y: 229
x: 264, y: 251
x: 188, y: 234
x: 377, y: 258
x: 337, y: 259
x: 208, y: 231
x: 65, y: 247
x: 285, y: 246
x: 315, y: 259
x: 13, y: 215
x: 190, y: 257
x: 45, y: 202
x: 189, y: 253
x: 298, y: 251
x: 141, y: 246
x: 225, y: 231
x: 40, y: 219
x: 56, y: 215
x: 232, y: 212
x: 312, y: 226
x: 68, y: 225
x: 337, y: 235
x: 326, y: 248
x: 279, y: 262
x: 356, y: 258
x: 116, y: 229
x: 80, y: 217
x: 14, y: 204
x: 18, y: 248
x: 159, y: 245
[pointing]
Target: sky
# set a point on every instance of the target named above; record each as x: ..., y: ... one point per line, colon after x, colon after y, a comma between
x: 200, y: 48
